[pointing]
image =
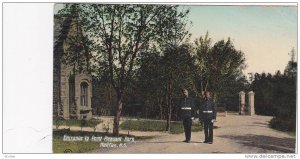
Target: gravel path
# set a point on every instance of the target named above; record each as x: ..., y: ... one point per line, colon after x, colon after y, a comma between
x: 236, y: 134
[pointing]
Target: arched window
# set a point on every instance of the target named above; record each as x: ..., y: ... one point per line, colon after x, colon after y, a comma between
x: 84, y: 94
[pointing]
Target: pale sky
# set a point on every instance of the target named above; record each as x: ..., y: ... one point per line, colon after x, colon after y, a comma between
x: 266, y: 34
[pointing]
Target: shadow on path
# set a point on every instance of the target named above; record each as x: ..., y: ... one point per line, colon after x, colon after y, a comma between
x: 285, y: 145
x: 261, y: 123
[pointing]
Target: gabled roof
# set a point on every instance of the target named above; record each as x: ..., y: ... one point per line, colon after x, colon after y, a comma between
x: 63, y: 30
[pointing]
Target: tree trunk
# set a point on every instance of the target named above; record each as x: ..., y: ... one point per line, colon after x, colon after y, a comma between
x: 201, y: 88
x: 169, y: 104
x: 160, y: 107
x: 169, y: 117
x: 110, y: 98
x: 117, y: 115
x: 206, y: 86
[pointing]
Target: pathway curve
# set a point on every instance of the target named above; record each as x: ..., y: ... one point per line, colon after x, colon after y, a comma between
x: 236, y: 134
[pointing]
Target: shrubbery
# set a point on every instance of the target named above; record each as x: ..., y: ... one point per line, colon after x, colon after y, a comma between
x: 283, y: 124
x: 75, y: 122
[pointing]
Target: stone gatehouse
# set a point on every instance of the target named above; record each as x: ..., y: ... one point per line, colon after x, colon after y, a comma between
x: 72, y: 81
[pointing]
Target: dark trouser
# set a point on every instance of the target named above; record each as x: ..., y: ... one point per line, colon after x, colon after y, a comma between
x: 187, y: 124
x: 208, y: 130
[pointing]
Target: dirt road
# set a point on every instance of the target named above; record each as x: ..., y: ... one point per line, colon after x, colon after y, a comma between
x: 236, y: 134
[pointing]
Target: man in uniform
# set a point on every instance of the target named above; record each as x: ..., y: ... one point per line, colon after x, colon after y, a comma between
x: 187, y: 107
x: 207, y: 116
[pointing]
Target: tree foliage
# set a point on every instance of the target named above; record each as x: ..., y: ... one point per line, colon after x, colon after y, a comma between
x: 219, y: 68
x: 275, y: 95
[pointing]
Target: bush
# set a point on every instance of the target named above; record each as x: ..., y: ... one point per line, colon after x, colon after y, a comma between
x: 283, y: 124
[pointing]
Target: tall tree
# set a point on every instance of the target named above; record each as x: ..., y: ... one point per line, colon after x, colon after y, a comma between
x: 219, y: 62
x: 178, y: 64
x: 203, y: 51
x: 151, y: 77
x: 291, y: 68
x: 166, y: 52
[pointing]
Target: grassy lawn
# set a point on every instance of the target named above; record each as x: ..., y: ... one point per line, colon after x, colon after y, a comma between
x: 75, y: 122
x: 60, y: 146
x: 148, y: 125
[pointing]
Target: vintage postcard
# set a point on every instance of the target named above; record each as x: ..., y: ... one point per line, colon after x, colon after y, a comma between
x: 174, y: 78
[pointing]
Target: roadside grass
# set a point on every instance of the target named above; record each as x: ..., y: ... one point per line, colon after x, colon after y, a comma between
x: 61, y: 146
x: 283, y: 125
x: 290, y: 133
x: 153, y: 125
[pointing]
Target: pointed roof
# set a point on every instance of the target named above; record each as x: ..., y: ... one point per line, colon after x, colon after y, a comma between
x: 62, y: 25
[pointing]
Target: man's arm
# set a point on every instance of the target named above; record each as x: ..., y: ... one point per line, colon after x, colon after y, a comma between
x: 200, y: 109
x: 193, y: 108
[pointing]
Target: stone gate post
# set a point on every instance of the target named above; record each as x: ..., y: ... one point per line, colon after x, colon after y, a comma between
x: 251, y: 103
x: 242, y: 103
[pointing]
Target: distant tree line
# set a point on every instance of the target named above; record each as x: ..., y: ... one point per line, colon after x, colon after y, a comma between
x: 275, y: 95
